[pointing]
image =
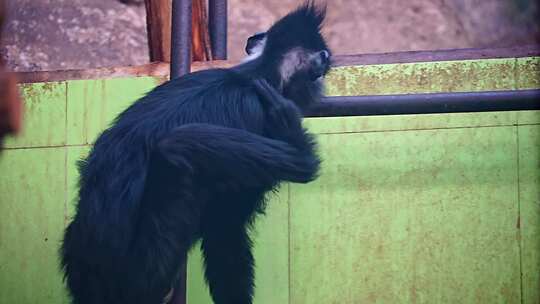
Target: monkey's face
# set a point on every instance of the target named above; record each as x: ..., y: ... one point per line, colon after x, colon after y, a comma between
x: 296, y: 53
x: 297, y: 60
x: 302, y: 73
x: 305, y: 65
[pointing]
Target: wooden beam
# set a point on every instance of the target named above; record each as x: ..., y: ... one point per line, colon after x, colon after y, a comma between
x: 201, y: 49
x: 10, y: 103
x: 160, y: 69
x: 158, y: 19
x: 156, y: 69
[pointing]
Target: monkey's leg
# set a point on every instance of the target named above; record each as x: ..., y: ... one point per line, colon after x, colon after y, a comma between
x: 229, y: 262
x: 168, y: 225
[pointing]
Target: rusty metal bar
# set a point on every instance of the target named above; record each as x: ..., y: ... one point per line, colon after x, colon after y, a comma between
x: 519, y: 51
x: 426, y: 103
x: 181, y: 38
x: 217, y: 19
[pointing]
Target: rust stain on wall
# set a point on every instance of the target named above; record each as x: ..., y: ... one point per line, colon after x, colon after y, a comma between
x: 422, y: 77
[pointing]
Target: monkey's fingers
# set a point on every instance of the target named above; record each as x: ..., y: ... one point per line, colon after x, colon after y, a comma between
x: 273, y: 100
x: 283, y: 113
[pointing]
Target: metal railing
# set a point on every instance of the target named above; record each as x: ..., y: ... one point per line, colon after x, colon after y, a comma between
x: 346, y: 105
x: 182, y: 11
x: 431, y: 103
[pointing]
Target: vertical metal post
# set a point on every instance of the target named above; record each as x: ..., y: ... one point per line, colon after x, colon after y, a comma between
x: 217, y: 25
x: 180, y: 294
x: 181, y: 33
x: 181, y: 38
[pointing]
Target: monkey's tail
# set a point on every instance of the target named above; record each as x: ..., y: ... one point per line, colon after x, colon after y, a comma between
x: 236, y: 155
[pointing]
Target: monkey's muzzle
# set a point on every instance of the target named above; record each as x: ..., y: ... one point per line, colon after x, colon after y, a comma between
x: 320, y: 64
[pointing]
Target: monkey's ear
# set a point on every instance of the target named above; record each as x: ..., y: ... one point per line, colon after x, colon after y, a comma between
x: 254, y: 41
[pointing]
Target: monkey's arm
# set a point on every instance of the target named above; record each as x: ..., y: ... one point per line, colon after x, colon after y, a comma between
x: 284, y: 120
x: 236, y: 155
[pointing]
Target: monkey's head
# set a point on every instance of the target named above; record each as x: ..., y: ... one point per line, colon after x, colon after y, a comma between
x: 293, y: 54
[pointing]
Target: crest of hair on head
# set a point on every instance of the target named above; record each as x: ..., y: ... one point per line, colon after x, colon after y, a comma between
x: 300, y: 28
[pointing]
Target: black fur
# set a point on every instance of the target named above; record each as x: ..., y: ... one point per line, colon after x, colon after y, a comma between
x: 192, y: 160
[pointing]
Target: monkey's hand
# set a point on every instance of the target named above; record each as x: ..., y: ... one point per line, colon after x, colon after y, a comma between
x: 282, y: 114
x: 284, y: 119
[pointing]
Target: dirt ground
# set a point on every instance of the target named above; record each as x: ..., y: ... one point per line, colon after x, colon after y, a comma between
x: 73, y: 34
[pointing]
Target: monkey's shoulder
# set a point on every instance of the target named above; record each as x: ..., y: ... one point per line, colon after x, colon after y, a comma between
x: 212, y: 79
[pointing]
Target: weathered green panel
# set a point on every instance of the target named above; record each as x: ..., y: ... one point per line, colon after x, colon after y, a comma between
x: 44, y: 116
x: 474, y: 75
x: 379, y: 79
x: 412, y: 208
x: 529, y: 197
x: 422, y: 77
x: 93, y: 104
x: 409, y: 217
x: 271, y: 239
x: 528, y: 73
x: 528, y: 117
x: 197, y: 291
x: 330, y: 125
x: 32, y: 207
x: 74, y: 154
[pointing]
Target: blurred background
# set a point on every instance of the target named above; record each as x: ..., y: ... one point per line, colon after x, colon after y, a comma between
x: 77, y: 34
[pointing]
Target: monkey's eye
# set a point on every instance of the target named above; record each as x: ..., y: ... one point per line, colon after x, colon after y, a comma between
x: 319, y: 64
x: 324, y: 55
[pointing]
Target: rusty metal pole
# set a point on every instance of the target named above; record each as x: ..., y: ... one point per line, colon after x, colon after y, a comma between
x: 181, y: 38
x: 431, y: 103
x: 217, y: 24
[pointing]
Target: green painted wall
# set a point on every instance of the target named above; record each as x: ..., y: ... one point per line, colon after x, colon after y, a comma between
x: 408, y: 209
x: 38, y: 178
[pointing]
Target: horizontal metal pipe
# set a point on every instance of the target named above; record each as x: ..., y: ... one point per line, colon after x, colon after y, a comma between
x: 181, y: 38
x: 217, y: 24
x: 426, y: 103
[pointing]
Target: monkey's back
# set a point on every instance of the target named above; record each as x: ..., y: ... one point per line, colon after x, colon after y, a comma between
x: 113, y: 176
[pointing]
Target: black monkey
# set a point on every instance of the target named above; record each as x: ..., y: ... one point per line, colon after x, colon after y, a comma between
x: 193, y: 159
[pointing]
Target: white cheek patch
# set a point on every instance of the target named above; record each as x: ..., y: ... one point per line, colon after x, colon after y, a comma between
x: 293, y: 61
x: 256, y: 51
